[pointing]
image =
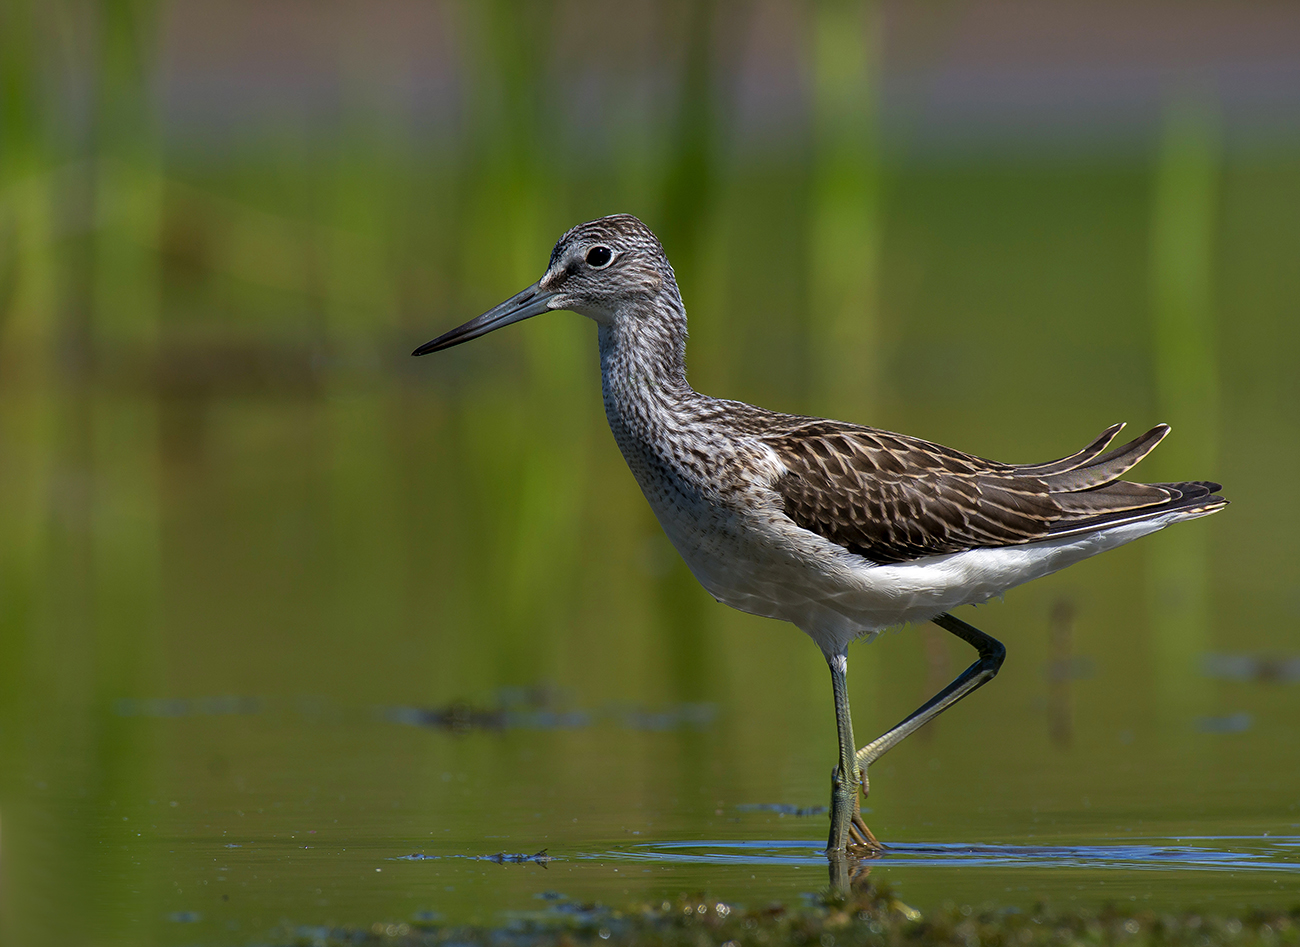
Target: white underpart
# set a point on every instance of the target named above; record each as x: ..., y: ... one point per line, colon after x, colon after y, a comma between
x: 836, y: 596
x: 757, y: 560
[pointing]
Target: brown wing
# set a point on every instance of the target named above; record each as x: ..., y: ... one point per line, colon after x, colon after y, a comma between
x: 891, y: 498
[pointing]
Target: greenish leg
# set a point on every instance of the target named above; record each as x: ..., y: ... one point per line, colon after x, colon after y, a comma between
x: 847, y: 827
x: 844, y: 778
x: 991, y: 653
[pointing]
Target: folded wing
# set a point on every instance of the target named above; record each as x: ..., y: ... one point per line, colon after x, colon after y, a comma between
x: 892, y: 498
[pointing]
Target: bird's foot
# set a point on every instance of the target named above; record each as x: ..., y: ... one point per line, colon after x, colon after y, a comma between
x: 849, y: 833
x: 862, y: 841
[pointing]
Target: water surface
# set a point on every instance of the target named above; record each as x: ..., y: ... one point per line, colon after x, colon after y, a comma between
x: 281, y: 607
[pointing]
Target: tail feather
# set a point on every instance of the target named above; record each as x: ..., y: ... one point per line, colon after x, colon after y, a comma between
x: 1191, y: 499
x: 1091, y: 495
x: 1117, y: 497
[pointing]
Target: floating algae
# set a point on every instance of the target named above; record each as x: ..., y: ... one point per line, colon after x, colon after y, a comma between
x: 868, y: 915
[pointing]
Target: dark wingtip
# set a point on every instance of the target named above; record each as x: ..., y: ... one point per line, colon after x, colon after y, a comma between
x: 433, y: 345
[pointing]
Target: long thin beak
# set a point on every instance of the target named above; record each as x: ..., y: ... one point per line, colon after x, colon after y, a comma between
x: 531, y: 302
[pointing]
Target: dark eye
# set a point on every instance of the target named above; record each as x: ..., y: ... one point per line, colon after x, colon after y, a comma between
x: 599, y: 256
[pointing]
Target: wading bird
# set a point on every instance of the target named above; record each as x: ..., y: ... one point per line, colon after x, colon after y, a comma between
x: 841, y: 530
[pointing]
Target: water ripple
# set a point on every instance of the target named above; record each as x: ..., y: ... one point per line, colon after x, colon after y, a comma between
x: 1223, y: 853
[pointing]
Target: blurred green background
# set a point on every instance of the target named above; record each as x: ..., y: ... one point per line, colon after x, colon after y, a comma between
x: 246, y: 541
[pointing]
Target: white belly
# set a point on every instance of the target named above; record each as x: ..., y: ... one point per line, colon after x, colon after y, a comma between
x: 760, y: 562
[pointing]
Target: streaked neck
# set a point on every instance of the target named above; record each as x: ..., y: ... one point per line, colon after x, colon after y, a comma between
x: 644, y: 349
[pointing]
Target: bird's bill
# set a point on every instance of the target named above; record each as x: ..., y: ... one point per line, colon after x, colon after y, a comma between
x: 531, y: 302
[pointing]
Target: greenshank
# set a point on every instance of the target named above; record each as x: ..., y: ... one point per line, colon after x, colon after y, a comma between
x: 839, y: 529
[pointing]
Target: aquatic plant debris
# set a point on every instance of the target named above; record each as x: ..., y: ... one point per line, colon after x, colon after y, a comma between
x: 458, y: 717
x: 461, y: 717
x: 509, y: 858
x: 501, y: 858
x: 1266, y: 668
x: 781, y: 808
x: 1233, y: 723
x: 537, y: 708
x: 868, y: 915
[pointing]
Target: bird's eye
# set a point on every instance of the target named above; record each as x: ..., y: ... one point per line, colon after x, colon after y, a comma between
x: 599, y: 256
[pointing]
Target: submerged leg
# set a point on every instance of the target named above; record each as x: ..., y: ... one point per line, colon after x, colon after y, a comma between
x: 991, y: 653
x: 847, y: 826
x: 844, y: 778
x: 846, y: 821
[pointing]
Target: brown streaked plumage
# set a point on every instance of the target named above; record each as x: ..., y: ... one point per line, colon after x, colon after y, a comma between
x: 840, y: 529
x: 892, y: 498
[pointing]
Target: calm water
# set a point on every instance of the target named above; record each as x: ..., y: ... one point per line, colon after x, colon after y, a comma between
x: 284, y: 609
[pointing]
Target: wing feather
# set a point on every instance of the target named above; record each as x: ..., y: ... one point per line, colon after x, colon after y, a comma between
x: 891, y: 498
x: 1109, y: 467
x: 1079, y: 459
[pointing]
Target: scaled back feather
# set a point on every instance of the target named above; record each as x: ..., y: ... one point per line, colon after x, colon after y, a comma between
x: 892, y: 498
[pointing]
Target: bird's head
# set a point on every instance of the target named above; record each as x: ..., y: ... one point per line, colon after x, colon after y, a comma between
x: 602, y: 269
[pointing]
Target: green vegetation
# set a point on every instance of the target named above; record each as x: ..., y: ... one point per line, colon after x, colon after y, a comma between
x: 869, y: 917
x: 223, y: 484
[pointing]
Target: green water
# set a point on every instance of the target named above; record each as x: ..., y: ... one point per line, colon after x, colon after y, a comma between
x: 281, y: 606
x: 243, y: 580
